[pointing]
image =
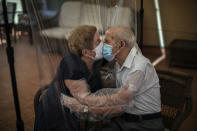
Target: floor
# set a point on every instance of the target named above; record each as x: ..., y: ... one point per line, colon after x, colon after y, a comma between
x: 28, y: 82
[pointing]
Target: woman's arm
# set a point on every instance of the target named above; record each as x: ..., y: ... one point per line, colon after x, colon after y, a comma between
x: 122, y: 97
x: 79, y: 90
x: 75, y: 106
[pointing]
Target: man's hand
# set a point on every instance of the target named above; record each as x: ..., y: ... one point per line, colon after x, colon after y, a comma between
x: 73, y: 104
x: 124, y: 94
x: 78, y: 88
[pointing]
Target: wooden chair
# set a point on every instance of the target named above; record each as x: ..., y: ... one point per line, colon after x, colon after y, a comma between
x: 183, y: 53
x: 175, y: 97
x: 41, y: 91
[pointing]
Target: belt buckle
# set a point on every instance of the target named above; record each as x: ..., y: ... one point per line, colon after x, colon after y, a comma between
x: 140, y: 118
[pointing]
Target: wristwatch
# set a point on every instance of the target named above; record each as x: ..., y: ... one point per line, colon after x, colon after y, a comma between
x: 85, y: 109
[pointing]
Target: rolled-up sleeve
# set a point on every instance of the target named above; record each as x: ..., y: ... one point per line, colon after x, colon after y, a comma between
x: 135, y: 80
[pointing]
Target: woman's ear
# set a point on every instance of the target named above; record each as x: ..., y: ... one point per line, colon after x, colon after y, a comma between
x: 86, y: 52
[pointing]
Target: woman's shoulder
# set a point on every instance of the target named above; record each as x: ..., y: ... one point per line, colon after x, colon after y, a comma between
x: 69, y: 55
x: 71, y: 66
x: 71, y: 59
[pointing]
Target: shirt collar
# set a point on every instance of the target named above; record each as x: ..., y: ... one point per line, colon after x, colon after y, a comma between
x: 128, y: 61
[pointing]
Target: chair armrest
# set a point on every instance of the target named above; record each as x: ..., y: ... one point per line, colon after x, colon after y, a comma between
x: 187, y: 110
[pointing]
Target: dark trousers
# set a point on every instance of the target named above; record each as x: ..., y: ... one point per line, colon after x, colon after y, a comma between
x: 120, y: 124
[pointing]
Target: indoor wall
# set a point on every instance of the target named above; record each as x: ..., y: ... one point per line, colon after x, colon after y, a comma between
x: 178, y: 20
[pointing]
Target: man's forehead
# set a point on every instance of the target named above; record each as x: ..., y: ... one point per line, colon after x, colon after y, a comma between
x: 109, y: 34
x: 113, y: 29
x: 109, y: 31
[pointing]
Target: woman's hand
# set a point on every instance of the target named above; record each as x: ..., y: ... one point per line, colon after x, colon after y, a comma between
x: 73, y: 104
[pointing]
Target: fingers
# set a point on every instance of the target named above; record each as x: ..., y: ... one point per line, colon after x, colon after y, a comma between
x: 65, y: 100
x: 69, y: 101
x: 126, y: 86
x: 73, y: 104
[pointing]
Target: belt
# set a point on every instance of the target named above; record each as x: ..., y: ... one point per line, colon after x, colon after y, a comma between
x: 137, y: 118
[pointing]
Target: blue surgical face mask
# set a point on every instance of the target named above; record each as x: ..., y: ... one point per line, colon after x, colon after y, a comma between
x: 107, y: 52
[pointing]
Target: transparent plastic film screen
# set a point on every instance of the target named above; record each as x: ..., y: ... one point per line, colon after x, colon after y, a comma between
x: 64, y: 33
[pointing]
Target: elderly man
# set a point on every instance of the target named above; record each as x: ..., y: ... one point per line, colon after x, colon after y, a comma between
x: 138, y: 93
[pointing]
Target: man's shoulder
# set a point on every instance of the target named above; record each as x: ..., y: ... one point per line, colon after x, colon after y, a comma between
x: 140, y: 62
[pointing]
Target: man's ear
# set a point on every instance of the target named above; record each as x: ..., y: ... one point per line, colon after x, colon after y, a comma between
x: 122, y: 43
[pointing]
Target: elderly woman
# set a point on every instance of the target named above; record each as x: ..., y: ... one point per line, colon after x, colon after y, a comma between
x: 81, y: 62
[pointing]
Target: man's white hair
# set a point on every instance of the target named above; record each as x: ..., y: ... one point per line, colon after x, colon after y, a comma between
x: 125, y: 34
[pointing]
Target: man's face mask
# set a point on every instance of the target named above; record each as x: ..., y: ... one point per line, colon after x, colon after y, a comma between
x: 107, y: 52
x: 99, y: 51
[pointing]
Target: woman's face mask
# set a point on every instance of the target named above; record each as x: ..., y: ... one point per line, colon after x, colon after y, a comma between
x: 99, y: 51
